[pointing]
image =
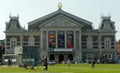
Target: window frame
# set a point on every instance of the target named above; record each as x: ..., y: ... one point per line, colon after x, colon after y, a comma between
x: 89, y: 42
x: 31, y: 41
x: 107, y: 43
x: 13, y: 43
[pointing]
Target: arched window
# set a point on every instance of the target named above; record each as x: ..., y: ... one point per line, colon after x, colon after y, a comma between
x: 107, y: 43
x: 89, y: 42
x: 13, y: 43
x: 31, y: 41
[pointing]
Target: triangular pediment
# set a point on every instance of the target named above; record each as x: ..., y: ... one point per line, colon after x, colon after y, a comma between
x: 59, y: 18
x: 60, y: 21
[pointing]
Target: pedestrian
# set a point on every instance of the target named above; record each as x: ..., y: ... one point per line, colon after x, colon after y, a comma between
x: 25, y: 66
x: 68, y: 63
x: 45, y: 64
x: 9, y: 62
x: 93, y: 64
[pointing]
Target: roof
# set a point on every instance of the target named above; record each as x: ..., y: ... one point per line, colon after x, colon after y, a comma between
x: 59, y: 12
x: 13, y: 18
x: 106, y: 18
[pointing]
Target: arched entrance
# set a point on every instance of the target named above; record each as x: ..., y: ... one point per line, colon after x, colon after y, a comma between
x: 61, y: 58
x: 52, y: 57
x: 70, y: 57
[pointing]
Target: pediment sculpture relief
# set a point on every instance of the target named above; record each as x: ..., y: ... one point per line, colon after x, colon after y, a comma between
x: 61, y: 22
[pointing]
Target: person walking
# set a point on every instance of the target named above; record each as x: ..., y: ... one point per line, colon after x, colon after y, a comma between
x: 9, y: 62
x: 68, y: 63
x: 45, y: 64
x: 93, y: 64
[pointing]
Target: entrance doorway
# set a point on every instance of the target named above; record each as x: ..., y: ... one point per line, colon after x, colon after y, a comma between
x: 52, y: 57
x: 61, y: 58
x: 70, y: 57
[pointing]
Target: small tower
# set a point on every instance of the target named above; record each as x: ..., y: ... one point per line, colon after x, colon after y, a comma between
x: 13, y: 23
x: 106, y: 23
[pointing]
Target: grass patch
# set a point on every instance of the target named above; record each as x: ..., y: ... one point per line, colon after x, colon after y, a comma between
x: 63, y: 68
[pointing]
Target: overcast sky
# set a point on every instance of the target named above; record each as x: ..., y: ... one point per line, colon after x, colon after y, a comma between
x: 30, y: 10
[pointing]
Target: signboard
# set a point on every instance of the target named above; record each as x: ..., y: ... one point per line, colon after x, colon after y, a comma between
x: 63, y: 50
x: 27, y: 60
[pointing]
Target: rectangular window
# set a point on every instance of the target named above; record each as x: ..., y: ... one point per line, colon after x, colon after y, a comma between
x: 12, y: 44
x: 89, y: 42
x: 70, y: 40
x: 108, y: 56
x: 61, y: 40
x: 90, y: 56
x: 107, y: 43
x: 52, y: 39
x: 31, y: 43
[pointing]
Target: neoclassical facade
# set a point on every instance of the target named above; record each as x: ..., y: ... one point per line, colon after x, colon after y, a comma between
x: 61, y: 36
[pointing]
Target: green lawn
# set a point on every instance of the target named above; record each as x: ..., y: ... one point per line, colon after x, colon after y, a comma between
x: 63, y: 68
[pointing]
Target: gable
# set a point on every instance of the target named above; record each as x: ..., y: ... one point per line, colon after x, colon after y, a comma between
x: 66, y: 19
x: 60, y: 21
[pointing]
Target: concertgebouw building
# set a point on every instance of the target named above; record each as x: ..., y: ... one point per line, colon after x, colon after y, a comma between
x: 61, y: 36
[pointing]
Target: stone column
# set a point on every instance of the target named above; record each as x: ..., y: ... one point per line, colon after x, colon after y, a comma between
x: 115, y: 48
x: 99, y: 46
x: 99, y: 43
x: 41, y: 45
x: 74, y: 39
x: 47, y: 47
x: 80, y: 46
x: 65, y: 39
x: 21, y: 38
x: 6, y: 43
x: 47, y: 41
x: 56, y: 39
x: 78, y: 52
